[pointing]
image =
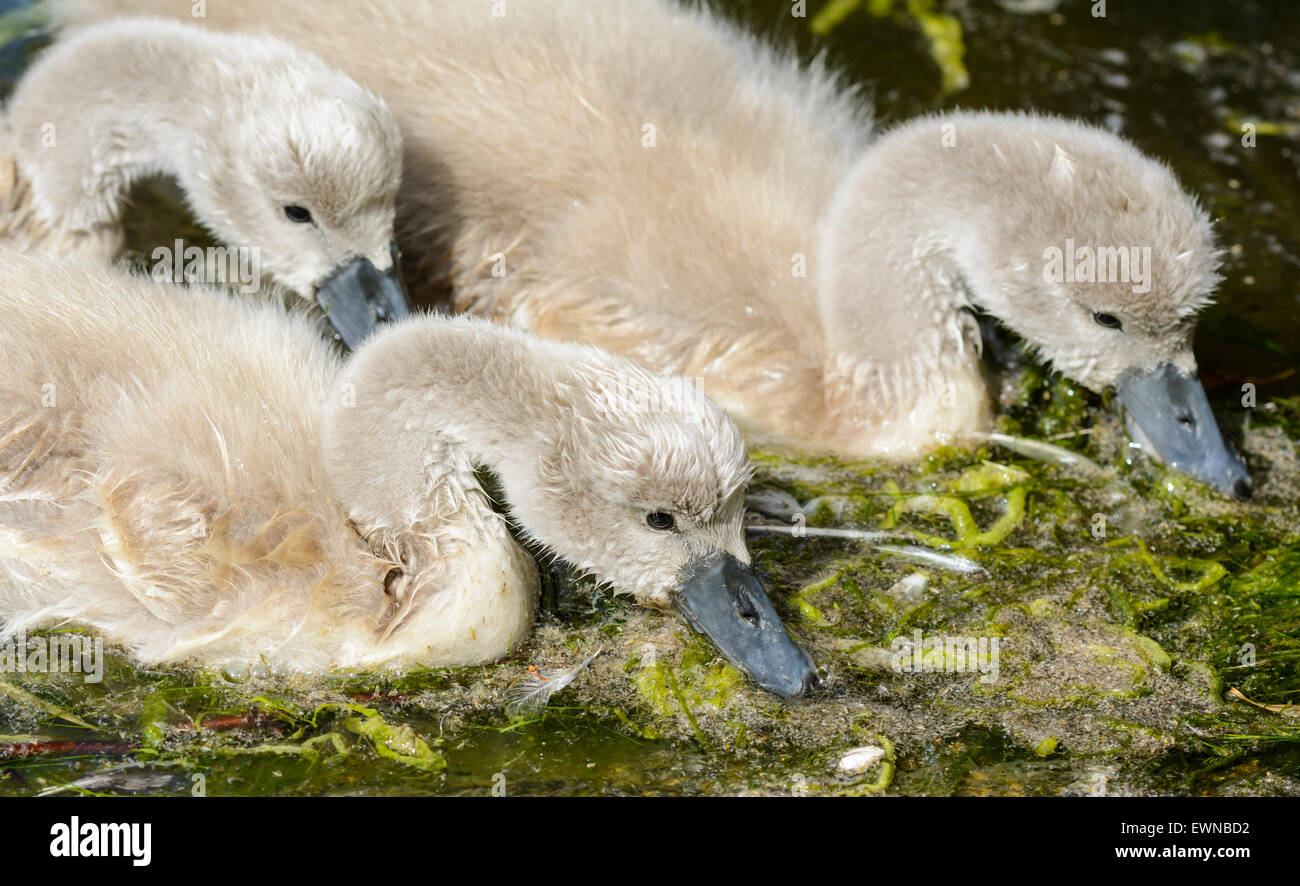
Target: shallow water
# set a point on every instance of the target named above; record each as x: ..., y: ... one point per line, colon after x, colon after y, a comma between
x: 1115, y: 658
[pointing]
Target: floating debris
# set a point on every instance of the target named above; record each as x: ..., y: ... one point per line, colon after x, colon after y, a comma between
x: 860, y: 760
x: 1286, y: 710
x: 950, y: 562
x: 911, y: 587
x: 31, y: 747
x: 530, y: 695
x: 1040, y: 450
x: 775, y: 503
x: 801, y: 531
x: 129, y: 777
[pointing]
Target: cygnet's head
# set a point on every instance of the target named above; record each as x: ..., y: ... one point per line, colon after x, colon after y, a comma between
x: 1095, y: 255
x: 303, y: 165
x: 1105, y: 266
x: 643, y: 485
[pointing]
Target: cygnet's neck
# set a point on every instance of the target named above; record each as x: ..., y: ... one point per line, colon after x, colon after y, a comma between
x: 423, y: 404
x: 105, y: 108
x: 417, y: 408
x: 902, y: 257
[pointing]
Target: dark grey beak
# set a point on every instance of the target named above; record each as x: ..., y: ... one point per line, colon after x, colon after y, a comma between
x: 722, y: 599
x: 358, y: 296
x: 1167, y: 412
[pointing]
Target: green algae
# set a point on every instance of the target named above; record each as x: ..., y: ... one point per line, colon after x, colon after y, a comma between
x: 52, y: 710
x: 394, y: 742
x: 698, y: 680
x: 1211, y: 572
x: 807, y: 610
x: 832, y: 14
x: 942, y: 32
x: 986, y: 479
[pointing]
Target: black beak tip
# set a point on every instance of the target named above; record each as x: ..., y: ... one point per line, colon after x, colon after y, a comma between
x: 789, y: 686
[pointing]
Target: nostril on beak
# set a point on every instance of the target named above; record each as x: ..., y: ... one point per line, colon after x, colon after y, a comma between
x: 1186, y: 418
x: 745, y: 607
x: 1242, y: 488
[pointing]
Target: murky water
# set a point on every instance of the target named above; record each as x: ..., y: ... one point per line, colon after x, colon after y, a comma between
x: 1118, y: 653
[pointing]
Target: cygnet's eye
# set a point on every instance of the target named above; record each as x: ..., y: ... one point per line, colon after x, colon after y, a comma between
x: 1110, y: 321
x: 297, y: 214
x: 660, y: 520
